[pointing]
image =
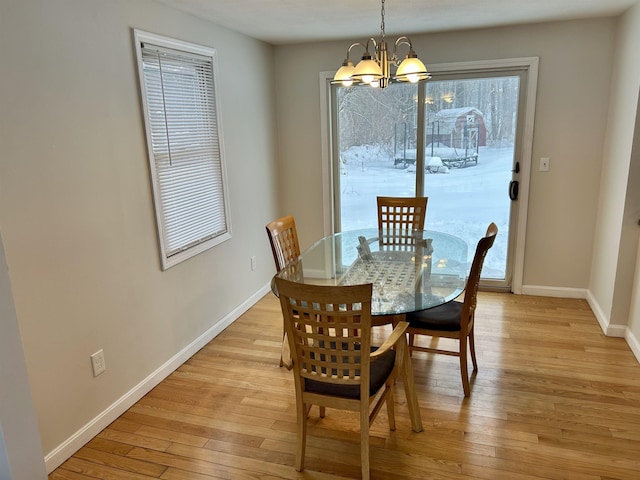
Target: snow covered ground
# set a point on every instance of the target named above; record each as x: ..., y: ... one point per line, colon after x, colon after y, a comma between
x: 461, y: 202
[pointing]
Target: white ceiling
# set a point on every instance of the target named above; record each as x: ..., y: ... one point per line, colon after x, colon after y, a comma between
x: 291, y: 21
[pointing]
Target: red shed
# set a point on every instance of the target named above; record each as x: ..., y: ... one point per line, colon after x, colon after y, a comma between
x: 462, y: 127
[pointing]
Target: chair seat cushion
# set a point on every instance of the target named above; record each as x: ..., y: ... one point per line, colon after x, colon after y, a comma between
x: 380, y: 371
x: 444, y: 318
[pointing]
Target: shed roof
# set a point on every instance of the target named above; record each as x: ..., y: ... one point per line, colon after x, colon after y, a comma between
x: 447, y: 117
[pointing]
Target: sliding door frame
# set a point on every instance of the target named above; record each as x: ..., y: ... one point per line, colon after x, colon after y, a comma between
x: 522, y: 154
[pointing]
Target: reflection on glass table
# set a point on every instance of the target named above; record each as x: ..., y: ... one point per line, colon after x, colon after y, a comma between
x: 423, y: 270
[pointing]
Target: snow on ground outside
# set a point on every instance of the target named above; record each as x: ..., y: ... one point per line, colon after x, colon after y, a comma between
x: 462, y: 202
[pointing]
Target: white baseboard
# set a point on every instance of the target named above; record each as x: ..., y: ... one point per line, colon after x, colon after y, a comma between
x: 559, y: 292
x: 622, y: 331
x: 57, y: 456
x: 633, y: 342
x: 603, y: 319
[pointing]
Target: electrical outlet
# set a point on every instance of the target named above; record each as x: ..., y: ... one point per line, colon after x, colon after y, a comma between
x: 97, y: 361
x: 253, y: 263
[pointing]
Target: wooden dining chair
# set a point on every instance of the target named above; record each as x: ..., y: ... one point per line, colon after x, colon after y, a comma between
x: 283, y: 238
x: 398, y: 217
x: 454, y: 319
x: 334, y: 364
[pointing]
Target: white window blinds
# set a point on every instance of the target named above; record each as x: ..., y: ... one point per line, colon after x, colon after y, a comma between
x: 183, y: 136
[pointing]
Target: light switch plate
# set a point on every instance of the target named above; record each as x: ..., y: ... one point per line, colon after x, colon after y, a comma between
x: 544, y: 164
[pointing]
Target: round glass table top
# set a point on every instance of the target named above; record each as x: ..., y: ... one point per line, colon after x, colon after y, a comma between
x: 409, y: 271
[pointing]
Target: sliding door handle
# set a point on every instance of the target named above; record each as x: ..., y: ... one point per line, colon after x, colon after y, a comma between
x: 513, y: 190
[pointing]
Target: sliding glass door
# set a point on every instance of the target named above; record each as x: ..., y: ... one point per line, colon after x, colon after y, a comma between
x: 456, y: 139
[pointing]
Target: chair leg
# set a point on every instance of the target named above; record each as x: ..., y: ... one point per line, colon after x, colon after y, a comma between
x: 285, y: 352
x: 284, y: 334
x: 364, y: 441
x: 284, y: 339
x: 301, y: 435
x: 463, y: 366
x: 390, y: 404
x: 472, y: 347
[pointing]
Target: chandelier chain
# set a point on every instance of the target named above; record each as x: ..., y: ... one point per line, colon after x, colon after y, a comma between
x: 382, y: 21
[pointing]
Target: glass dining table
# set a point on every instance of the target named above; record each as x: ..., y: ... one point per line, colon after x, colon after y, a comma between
x: 410, y: 271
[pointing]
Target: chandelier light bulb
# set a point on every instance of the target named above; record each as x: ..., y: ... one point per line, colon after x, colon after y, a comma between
x: 367, y: 69
x: 412, y: 69
x: 344, y: 73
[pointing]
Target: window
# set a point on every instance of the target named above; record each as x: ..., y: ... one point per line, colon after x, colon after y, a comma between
x: 184, y: 143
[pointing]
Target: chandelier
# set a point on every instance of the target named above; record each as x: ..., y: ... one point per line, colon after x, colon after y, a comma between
x: 376, y: 71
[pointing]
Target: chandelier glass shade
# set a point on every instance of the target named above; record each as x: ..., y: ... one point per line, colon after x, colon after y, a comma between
x: 375, y: 70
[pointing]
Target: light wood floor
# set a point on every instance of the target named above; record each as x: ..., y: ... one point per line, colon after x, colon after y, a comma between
x: 553, y: 399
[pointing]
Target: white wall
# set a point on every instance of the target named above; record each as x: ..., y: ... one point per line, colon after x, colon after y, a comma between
x: 20, y: 452
x: 631, y: 228
x: 76, y: 205
x: 616, y: 235
x: 630, y: 40
x: 571, y: 113
x: 633, y: 332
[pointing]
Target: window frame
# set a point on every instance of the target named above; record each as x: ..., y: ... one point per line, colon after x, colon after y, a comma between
x: 215, y: 158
